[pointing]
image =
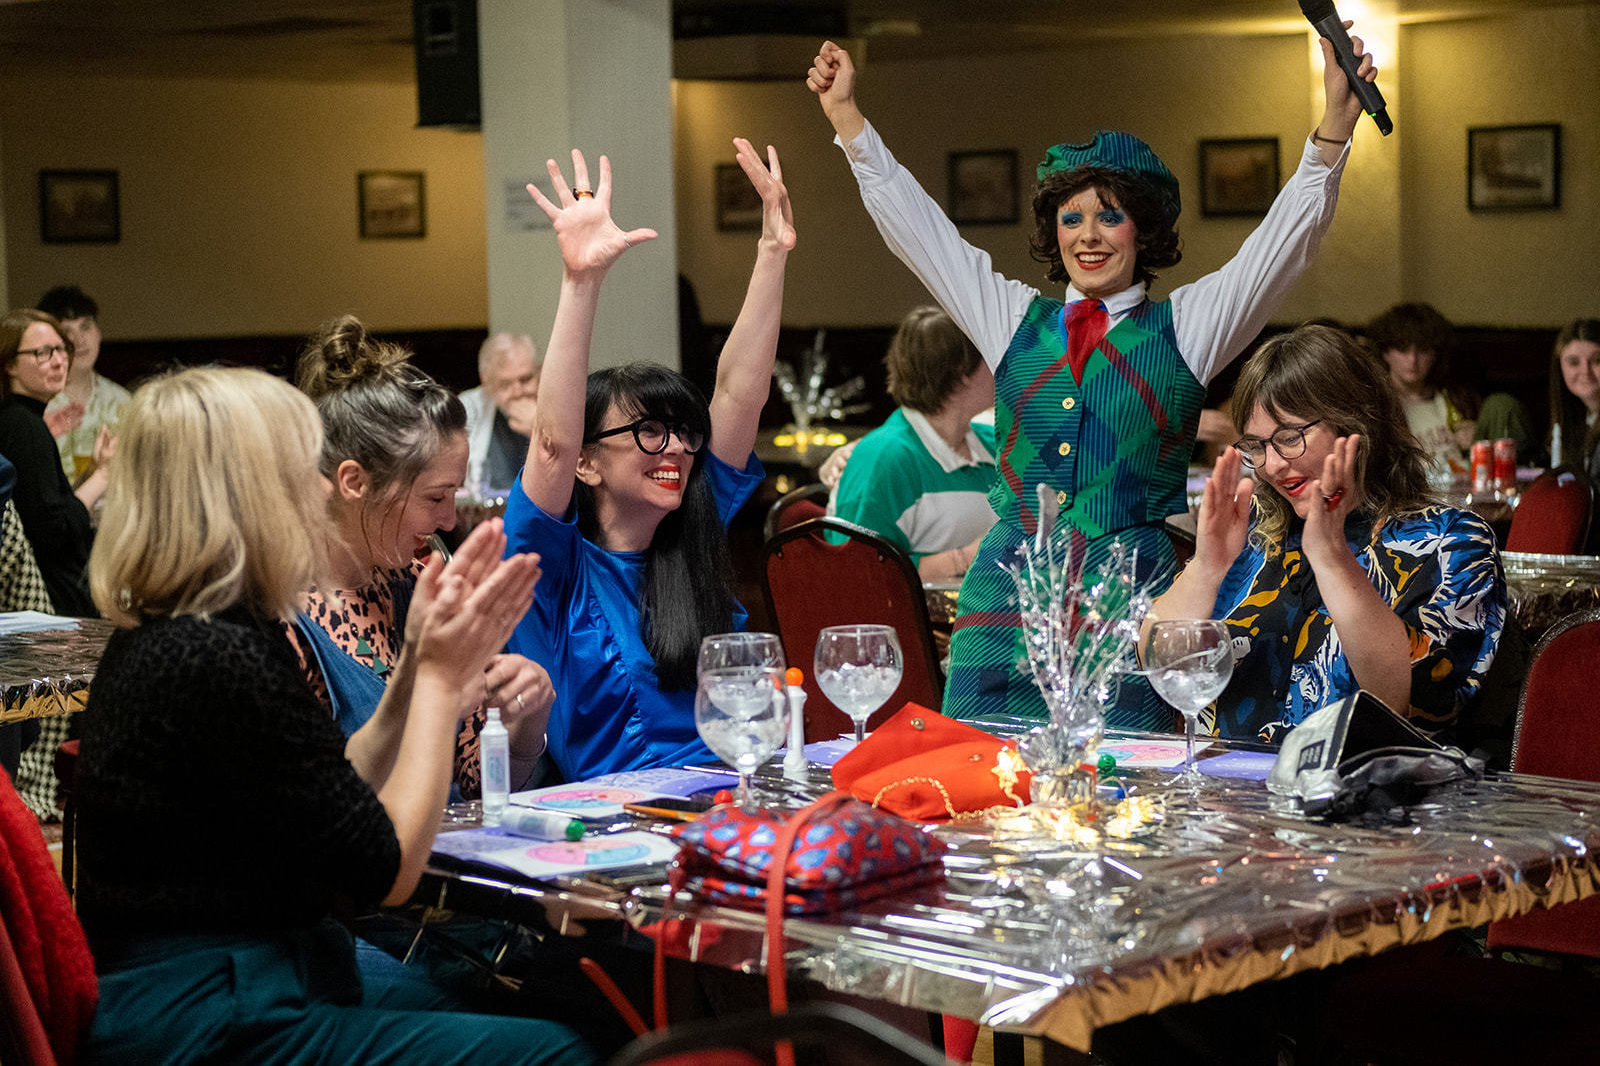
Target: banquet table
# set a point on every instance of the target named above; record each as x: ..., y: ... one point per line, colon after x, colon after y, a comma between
x: 1046, y: 928
x: 1542, y: 589
x: 46, y: 672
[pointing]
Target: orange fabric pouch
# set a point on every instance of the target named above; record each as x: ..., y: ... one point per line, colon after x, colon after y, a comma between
x: 925, y: 766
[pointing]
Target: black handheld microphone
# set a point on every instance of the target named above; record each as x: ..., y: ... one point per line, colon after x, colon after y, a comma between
x: 1321, y: 14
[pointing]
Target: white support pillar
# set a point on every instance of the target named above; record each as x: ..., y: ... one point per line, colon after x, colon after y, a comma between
x: 594, y: 75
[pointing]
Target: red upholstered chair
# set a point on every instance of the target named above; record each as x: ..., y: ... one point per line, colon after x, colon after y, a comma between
x: 47, y: 982
x: 1558, y: 735
x: 1552, y: 518
x: 792, y: 508
x: 811, y: 584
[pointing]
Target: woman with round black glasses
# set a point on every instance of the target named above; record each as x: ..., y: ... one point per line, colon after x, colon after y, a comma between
x: 630, y: 483
x: 1347, y: 575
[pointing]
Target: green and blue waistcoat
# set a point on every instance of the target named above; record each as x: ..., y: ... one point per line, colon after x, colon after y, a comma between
x: 1115, y: 448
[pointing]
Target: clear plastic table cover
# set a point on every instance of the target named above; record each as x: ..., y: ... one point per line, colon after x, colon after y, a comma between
x: 47, y: 672
x: 1543, y: 589
x: 1049, y: 929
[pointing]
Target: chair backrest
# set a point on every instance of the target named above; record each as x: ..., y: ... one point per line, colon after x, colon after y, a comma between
x: 792, y: 508
x: 811, y: 584
x: 1553, y: 516
x: 1558, y: 735
x: 46, y: 972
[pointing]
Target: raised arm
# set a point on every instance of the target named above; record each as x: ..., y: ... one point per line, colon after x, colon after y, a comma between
x: 590, y: 243
x: 467, y: 621
x: 1374, y: 638
x: 833, y: 78
x: 1341, y: 108
x: 744, y: 373
x: 1219, y: 538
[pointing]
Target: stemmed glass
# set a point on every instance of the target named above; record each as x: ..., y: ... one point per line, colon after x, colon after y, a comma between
x: 722, y: 651
x: 741, y: 709
x: 858, y: 667
x: 1189, y: 662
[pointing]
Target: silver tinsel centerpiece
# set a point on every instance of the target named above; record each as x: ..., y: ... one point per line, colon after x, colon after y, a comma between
x: 1080, y: 632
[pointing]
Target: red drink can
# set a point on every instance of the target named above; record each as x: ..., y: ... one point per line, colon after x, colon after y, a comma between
x: 1505, y: 463
x: 1482, y: 466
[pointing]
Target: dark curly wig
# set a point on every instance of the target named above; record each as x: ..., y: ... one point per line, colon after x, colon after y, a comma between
x: 1157, y: 238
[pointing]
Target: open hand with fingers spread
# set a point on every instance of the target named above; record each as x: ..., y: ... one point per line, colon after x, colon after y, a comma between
x: 590, y: 241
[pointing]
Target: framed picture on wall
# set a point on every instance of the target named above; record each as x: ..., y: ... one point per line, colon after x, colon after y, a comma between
x: 79, y: 207
x: 983, y: 187
x: 391, y: 203
x: 1514, y: 168
x: 738, y: 203
x: 1238, y: 176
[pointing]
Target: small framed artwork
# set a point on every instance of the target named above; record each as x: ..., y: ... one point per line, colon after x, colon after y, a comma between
x: 79, y: 207
x: 392, y: 203
x: 1514, y: 168
x: 1238, y: 177
x: 738, y: 203
x: 983, y: 187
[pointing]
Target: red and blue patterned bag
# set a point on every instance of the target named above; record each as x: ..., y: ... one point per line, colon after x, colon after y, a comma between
x: 842, y: 853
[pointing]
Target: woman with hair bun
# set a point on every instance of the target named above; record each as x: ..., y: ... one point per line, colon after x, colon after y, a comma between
x: 395, y: 448
x: 1098, y: 391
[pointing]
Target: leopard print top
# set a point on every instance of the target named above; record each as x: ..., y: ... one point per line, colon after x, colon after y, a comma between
x: 361, y: 622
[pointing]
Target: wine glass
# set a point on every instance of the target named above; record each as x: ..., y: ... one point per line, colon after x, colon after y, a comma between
x: 742, y: 714
x: 722, y: 651
x: 1189, y: 662
x: 858, y: 668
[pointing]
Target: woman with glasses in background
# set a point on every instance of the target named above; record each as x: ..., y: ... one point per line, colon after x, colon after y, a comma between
x: 1346, y: 575
x: 630, y: 483
x: 36, y: 355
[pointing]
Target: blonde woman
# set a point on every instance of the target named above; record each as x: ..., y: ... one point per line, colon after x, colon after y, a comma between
x: 223, y: 815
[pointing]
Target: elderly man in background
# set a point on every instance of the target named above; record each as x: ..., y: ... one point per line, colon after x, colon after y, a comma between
x: 90, y: 402
x: 500, y: 411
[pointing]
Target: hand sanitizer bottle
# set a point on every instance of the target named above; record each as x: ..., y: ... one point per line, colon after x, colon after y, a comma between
x: 494, y: 764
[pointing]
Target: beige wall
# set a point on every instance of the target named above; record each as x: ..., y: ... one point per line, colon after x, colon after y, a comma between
x: 239, y: 204
x: 841, y: 273
x: 1402, y: 230
x: 1516, y: 268
x: 238, y: 198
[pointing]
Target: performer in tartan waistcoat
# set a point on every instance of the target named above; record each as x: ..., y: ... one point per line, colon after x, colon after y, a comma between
x: 1098, y: 393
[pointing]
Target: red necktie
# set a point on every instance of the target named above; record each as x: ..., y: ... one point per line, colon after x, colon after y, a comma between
x: 1086, y: 328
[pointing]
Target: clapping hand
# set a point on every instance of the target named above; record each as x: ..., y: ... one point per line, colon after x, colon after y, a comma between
x: 590, y: 241
x: 1224, y: 514
x: 1333, y: 497
x: 777, y: 218
x: 64, y: 419
x: 470, y: 605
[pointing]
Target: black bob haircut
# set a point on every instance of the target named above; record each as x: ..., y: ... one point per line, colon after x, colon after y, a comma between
x: 688, y: 590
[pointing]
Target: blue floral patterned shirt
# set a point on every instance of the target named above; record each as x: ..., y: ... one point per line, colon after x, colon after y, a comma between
x: 1440, y: 570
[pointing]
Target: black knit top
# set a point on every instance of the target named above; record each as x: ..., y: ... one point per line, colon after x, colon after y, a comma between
x: 213, y: 791
x: 54, y: 520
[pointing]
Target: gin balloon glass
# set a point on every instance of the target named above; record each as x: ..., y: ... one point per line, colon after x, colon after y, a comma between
x: 1189, y: 662
x: 858, y: 667
x: 722, y: 651
x: 742, y: 713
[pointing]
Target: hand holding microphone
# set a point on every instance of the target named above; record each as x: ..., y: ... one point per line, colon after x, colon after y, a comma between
x: 1322, y: 15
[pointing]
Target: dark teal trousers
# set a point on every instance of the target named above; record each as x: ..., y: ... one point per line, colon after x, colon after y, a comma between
x: 291, y: 998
